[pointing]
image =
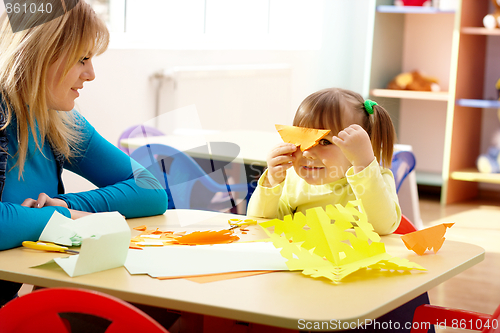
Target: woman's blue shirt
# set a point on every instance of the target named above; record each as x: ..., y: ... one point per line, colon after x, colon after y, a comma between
x: 97, y: 160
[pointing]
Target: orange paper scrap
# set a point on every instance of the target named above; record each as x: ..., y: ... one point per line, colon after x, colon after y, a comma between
x: 321, y: 244
x: 153, y: 237
x: 426, y: 239
x: 301, y: 136
x: 207, y: 237
x: 156, y: 237
x: 216, y: 276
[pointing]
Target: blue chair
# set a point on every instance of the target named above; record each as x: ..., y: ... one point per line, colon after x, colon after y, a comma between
x: 403, y: 162
x: 178, y: 173
x: 137, y: 131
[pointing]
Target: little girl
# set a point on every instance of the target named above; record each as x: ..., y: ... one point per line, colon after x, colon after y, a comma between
x: 344, y: 166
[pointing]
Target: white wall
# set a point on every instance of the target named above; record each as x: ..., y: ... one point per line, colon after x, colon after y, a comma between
x: 427, y: 47
x: 123, y: 93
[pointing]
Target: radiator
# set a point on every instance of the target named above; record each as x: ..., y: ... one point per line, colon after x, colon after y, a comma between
x: 250, y: 96
x: 192, y: 101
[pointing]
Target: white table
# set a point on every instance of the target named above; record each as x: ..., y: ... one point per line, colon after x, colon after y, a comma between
x: 254, y: 147
x: 277, y: 299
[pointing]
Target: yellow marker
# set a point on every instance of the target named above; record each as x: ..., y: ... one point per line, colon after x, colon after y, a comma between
x: 48, y: 247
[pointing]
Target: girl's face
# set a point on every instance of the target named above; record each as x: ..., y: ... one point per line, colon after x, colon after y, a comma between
x: 325, y: 162
x: 61, y: 95
x: 321, y: 164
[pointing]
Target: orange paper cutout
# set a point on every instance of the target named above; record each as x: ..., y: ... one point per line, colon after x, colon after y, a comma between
x: 426, y: 239
x: 141, y: 228
x: 207, y: 237
x: 301, y: 136
x: 154, y: 237
x: 215, y: 277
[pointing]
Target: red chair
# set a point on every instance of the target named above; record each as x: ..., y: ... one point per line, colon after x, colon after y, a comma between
x: 455, y: 318
x: 47, y: 310
x: 405, y: 226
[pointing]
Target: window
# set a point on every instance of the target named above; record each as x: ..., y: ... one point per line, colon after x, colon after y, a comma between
x: 101, y: 7
x: 213, y: 24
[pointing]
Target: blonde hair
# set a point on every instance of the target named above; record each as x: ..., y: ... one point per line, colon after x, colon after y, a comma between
x: 327, y: 109
x: 25, y: 57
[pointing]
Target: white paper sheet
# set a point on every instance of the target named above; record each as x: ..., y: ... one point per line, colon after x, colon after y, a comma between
x: 59, y: 230
x: 204, y: 259
x: 105, y: 242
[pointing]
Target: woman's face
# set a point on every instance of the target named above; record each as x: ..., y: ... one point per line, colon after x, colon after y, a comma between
x: 61, y: 95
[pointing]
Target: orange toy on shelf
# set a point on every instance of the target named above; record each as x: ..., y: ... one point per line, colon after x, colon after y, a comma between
x: 492, y: 21
x: 414, y: 81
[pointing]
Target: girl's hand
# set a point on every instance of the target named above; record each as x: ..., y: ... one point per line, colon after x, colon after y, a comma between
x: 356, y: 146
x: 43, y: 201
x: 279, y: 159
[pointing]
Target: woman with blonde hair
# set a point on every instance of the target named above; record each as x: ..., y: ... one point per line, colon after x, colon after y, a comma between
x: 44, y: 62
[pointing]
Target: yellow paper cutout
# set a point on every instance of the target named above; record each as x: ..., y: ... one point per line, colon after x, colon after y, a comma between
x: 301, y: 136
x: 321, y: 245
x: 426, y: 239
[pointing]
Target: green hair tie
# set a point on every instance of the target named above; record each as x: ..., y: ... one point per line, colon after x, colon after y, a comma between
x: 369, y: 106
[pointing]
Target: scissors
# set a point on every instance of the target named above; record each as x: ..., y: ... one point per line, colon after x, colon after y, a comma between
x: 236, y: 223
x: 48, y: 247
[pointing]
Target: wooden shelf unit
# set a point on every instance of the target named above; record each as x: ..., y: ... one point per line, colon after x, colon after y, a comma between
x: 410, y: 9
x: 456, y: 136
x: 479, y: 31
x: 407, y: 94
x: 463, y: 131
x: 478, y: 103
x: 472, y: 175
x: 407, y: 39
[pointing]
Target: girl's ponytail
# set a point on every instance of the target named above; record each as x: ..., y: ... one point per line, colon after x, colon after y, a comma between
x: 382, y: 132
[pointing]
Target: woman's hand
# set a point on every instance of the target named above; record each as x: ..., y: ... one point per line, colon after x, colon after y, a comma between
x: 356, y: 146
x: 76, y: 214
x: 43, y: 201
x: 279, y: 159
